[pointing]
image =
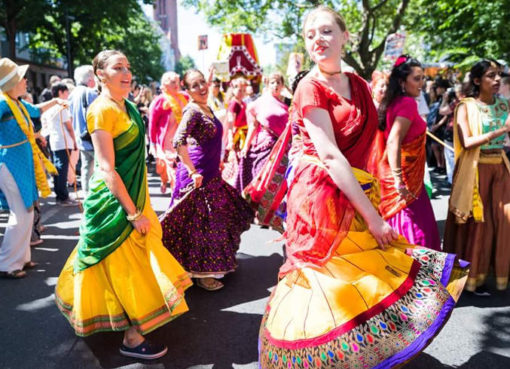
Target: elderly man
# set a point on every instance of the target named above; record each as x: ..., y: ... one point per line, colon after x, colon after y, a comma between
x: 164, y: 117
x: 81, y: 97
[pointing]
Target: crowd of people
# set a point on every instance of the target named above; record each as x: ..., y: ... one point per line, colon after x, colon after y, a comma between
x: 339, y: 162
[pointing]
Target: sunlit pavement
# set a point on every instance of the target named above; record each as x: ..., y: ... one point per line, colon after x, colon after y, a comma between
x: 220, y: 330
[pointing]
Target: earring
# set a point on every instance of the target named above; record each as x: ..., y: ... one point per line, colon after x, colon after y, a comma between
x: 403, y: 90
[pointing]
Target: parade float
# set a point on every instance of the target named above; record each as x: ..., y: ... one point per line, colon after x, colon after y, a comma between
x: 238, y: 56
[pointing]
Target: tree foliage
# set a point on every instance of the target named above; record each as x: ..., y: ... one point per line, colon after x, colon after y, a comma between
x: 20, y: 15
x: 369, y: 21
x: 460, y: 29
x: 184, y: 63
x: 94, y: 26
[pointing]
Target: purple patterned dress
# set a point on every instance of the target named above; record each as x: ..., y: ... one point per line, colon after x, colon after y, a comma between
x: 202, y: 228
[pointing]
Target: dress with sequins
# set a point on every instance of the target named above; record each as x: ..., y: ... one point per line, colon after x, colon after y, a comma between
x: 202, y: 227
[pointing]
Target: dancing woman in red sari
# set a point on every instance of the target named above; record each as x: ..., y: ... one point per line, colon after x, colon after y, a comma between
x: 352, y: 292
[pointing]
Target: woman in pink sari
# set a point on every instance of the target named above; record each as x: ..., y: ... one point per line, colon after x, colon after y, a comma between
x: 267, y: 117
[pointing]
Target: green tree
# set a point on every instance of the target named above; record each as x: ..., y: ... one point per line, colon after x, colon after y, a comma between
x: 369, y: 21
x: 92, y: 26
x: 140, y: 43
x: 464, y: 30
x: 20, y: 15
x: 184, y: 63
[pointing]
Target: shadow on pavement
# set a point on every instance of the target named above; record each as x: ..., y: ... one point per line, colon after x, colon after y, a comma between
x: 497, y: 332
x: 217, y: 332
x: 483, y: 359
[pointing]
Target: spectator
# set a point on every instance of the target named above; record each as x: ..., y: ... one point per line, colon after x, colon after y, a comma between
x: 164, y: 117
x: 57, y: 122
x: 81, y: 97
x: 46, y: 94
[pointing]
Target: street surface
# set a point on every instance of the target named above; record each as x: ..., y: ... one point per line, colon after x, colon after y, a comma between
x: 220, y: 330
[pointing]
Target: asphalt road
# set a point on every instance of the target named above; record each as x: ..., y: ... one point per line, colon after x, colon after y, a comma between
x: 220, y: 330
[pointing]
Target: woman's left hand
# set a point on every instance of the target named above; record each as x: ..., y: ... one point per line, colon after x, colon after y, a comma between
x: 405, y: 194
x: 197, y: 179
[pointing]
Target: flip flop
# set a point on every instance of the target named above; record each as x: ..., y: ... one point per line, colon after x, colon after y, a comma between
x: 211, y: 285
x: 15, y: 274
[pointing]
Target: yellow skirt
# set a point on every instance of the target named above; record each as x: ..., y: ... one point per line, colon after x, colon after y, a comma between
x: 140, y: 284
x: 365, y: 308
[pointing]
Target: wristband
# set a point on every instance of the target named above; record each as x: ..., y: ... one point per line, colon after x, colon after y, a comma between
x: 135, y: 216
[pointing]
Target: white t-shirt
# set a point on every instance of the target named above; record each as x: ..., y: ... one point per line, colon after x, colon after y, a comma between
x: 56, y: 129
x: 423, y: 109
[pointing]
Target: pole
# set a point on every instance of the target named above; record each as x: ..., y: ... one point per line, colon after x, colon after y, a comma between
x: 203, y: 61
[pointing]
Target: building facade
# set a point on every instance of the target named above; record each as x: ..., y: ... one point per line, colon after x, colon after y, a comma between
x: 165, y: 14
x: 40, y: 71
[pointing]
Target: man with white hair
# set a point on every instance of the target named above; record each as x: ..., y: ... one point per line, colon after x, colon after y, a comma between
x: 81, y: 97
x: 164, y: 117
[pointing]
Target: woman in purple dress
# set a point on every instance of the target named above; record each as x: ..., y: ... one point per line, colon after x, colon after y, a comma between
x: 203, y: 225
x: 267, y: 117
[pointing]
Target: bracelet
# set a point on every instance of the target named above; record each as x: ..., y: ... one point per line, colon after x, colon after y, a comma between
x: 192, y: 172
x: 401, y: 186
x: 135, y: 216
x: 397, y: 171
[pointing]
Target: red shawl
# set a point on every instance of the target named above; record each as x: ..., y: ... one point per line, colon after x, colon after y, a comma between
x: 318, y: 213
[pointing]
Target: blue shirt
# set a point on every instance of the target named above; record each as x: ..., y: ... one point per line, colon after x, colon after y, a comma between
x: 79, y: 114
x: 18, y: 159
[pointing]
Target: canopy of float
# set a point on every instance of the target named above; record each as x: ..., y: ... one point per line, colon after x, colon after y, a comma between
x: 238, y: 49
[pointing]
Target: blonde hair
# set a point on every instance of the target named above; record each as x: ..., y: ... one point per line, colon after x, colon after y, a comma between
x: 275, y: 75
x: 325, y: 9
x: 239, y: 80
x: 167, y: 76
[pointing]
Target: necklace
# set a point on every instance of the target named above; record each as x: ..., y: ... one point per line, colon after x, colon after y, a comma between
x: 203, y: 107
x: 330, y: 73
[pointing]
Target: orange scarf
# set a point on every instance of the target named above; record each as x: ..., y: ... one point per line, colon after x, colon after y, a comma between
x: 413, y: 168
x: 176, y: 103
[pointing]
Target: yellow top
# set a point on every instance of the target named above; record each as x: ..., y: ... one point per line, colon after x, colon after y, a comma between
x: 105, y: 114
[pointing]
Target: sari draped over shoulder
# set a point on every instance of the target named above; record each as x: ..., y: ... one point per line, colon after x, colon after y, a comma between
x: 105, y: 226
x: 313, y: 193
x: 116, y: 277
x: 465, y: 200
x: 413, y: 166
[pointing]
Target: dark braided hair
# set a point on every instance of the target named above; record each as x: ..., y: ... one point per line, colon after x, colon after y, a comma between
x: 401, y: 70
x: 184, y: 82
x: 296, y: 79
x: 477, y: 72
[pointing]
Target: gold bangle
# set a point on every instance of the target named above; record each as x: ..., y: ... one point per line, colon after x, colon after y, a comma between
x: 192, y: 172
x: 135, y: 216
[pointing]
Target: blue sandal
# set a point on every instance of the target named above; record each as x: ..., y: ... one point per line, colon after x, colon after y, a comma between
x: 146, y: 350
